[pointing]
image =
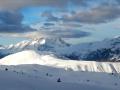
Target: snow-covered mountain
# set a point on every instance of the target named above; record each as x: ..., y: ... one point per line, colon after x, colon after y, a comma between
x: 38, y: 44
x: 47, y: 63
x: 41, y: 44
x: 32, y: 57
x: 106, y: 50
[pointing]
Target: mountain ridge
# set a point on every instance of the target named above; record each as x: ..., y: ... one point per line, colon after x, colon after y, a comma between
x: 106, y: 50
x: 32, y: 57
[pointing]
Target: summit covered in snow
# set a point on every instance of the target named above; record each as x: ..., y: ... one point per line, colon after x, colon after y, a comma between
x: 106, y: 50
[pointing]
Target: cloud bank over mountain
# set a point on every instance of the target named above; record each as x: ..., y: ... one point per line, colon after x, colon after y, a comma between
x: 57, y: 16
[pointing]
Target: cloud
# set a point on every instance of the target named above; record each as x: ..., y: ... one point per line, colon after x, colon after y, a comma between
x: 104, y: 11
x: 49, y: 34
x: 14, y: 29
x: 70, y: 25
x: 118, y: 1
x: 49, y: 16
x: 96, y: 15
x: 48, y: 24
x: 17, y: 4
x: 10, y: 17
x: 65, y: 25
x: 68, y: 33
x: 64, y: 30
x: 58, y: 33
x: 11, y: 22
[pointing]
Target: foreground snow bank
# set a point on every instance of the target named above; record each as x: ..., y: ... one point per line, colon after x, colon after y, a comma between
x: 22, y: 78
x: 18, y: 70
x: 32, y: 57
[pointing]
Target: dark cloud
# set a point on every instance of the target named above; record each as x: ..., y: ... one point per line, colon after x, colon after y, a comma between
x: 96, y: 15
x: 118, y: 1
x: 70, y: 25
x: 64, y: 30
x: 13, y: 18
x: 14, y: 29
x: 49, y: 16
x: 64, y: 33
x: 11, y: 22
x: 99, y: 14
x: 48, y: 24
x: 104, y: 12
x: 16, y: 4
x: 69, y: 33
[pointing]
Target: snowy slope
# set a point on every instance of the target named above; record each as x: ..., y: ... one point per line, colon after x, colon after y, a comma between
x: 32, y: 57
x: 19, y: 79
x: 28, y: 70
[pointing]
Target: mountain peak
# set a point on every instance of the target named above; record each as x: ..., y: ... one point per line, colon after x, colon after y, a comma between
x: 117, y: 37
x: 37, y: 44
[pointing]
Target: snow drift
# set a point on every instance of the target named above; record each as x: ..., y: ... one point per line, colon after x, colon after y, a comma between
x: 32, y: 57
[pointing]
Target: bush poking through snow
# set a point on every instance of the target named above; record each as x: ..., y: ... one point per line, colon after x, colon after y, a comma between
x: 59, y: 80
x: 50, y: 75
x: 47, y: 74
x: 6, y: 69
x: 115, y: 84
x: 88, y: 80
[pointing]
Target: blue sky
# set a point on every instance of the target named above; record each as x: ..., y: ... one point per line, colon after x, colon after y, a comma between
x: 76, y: 20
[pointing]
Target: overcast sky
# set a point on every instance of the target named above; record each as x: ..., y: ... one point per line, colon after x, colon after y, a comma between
x: 96, y: 19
